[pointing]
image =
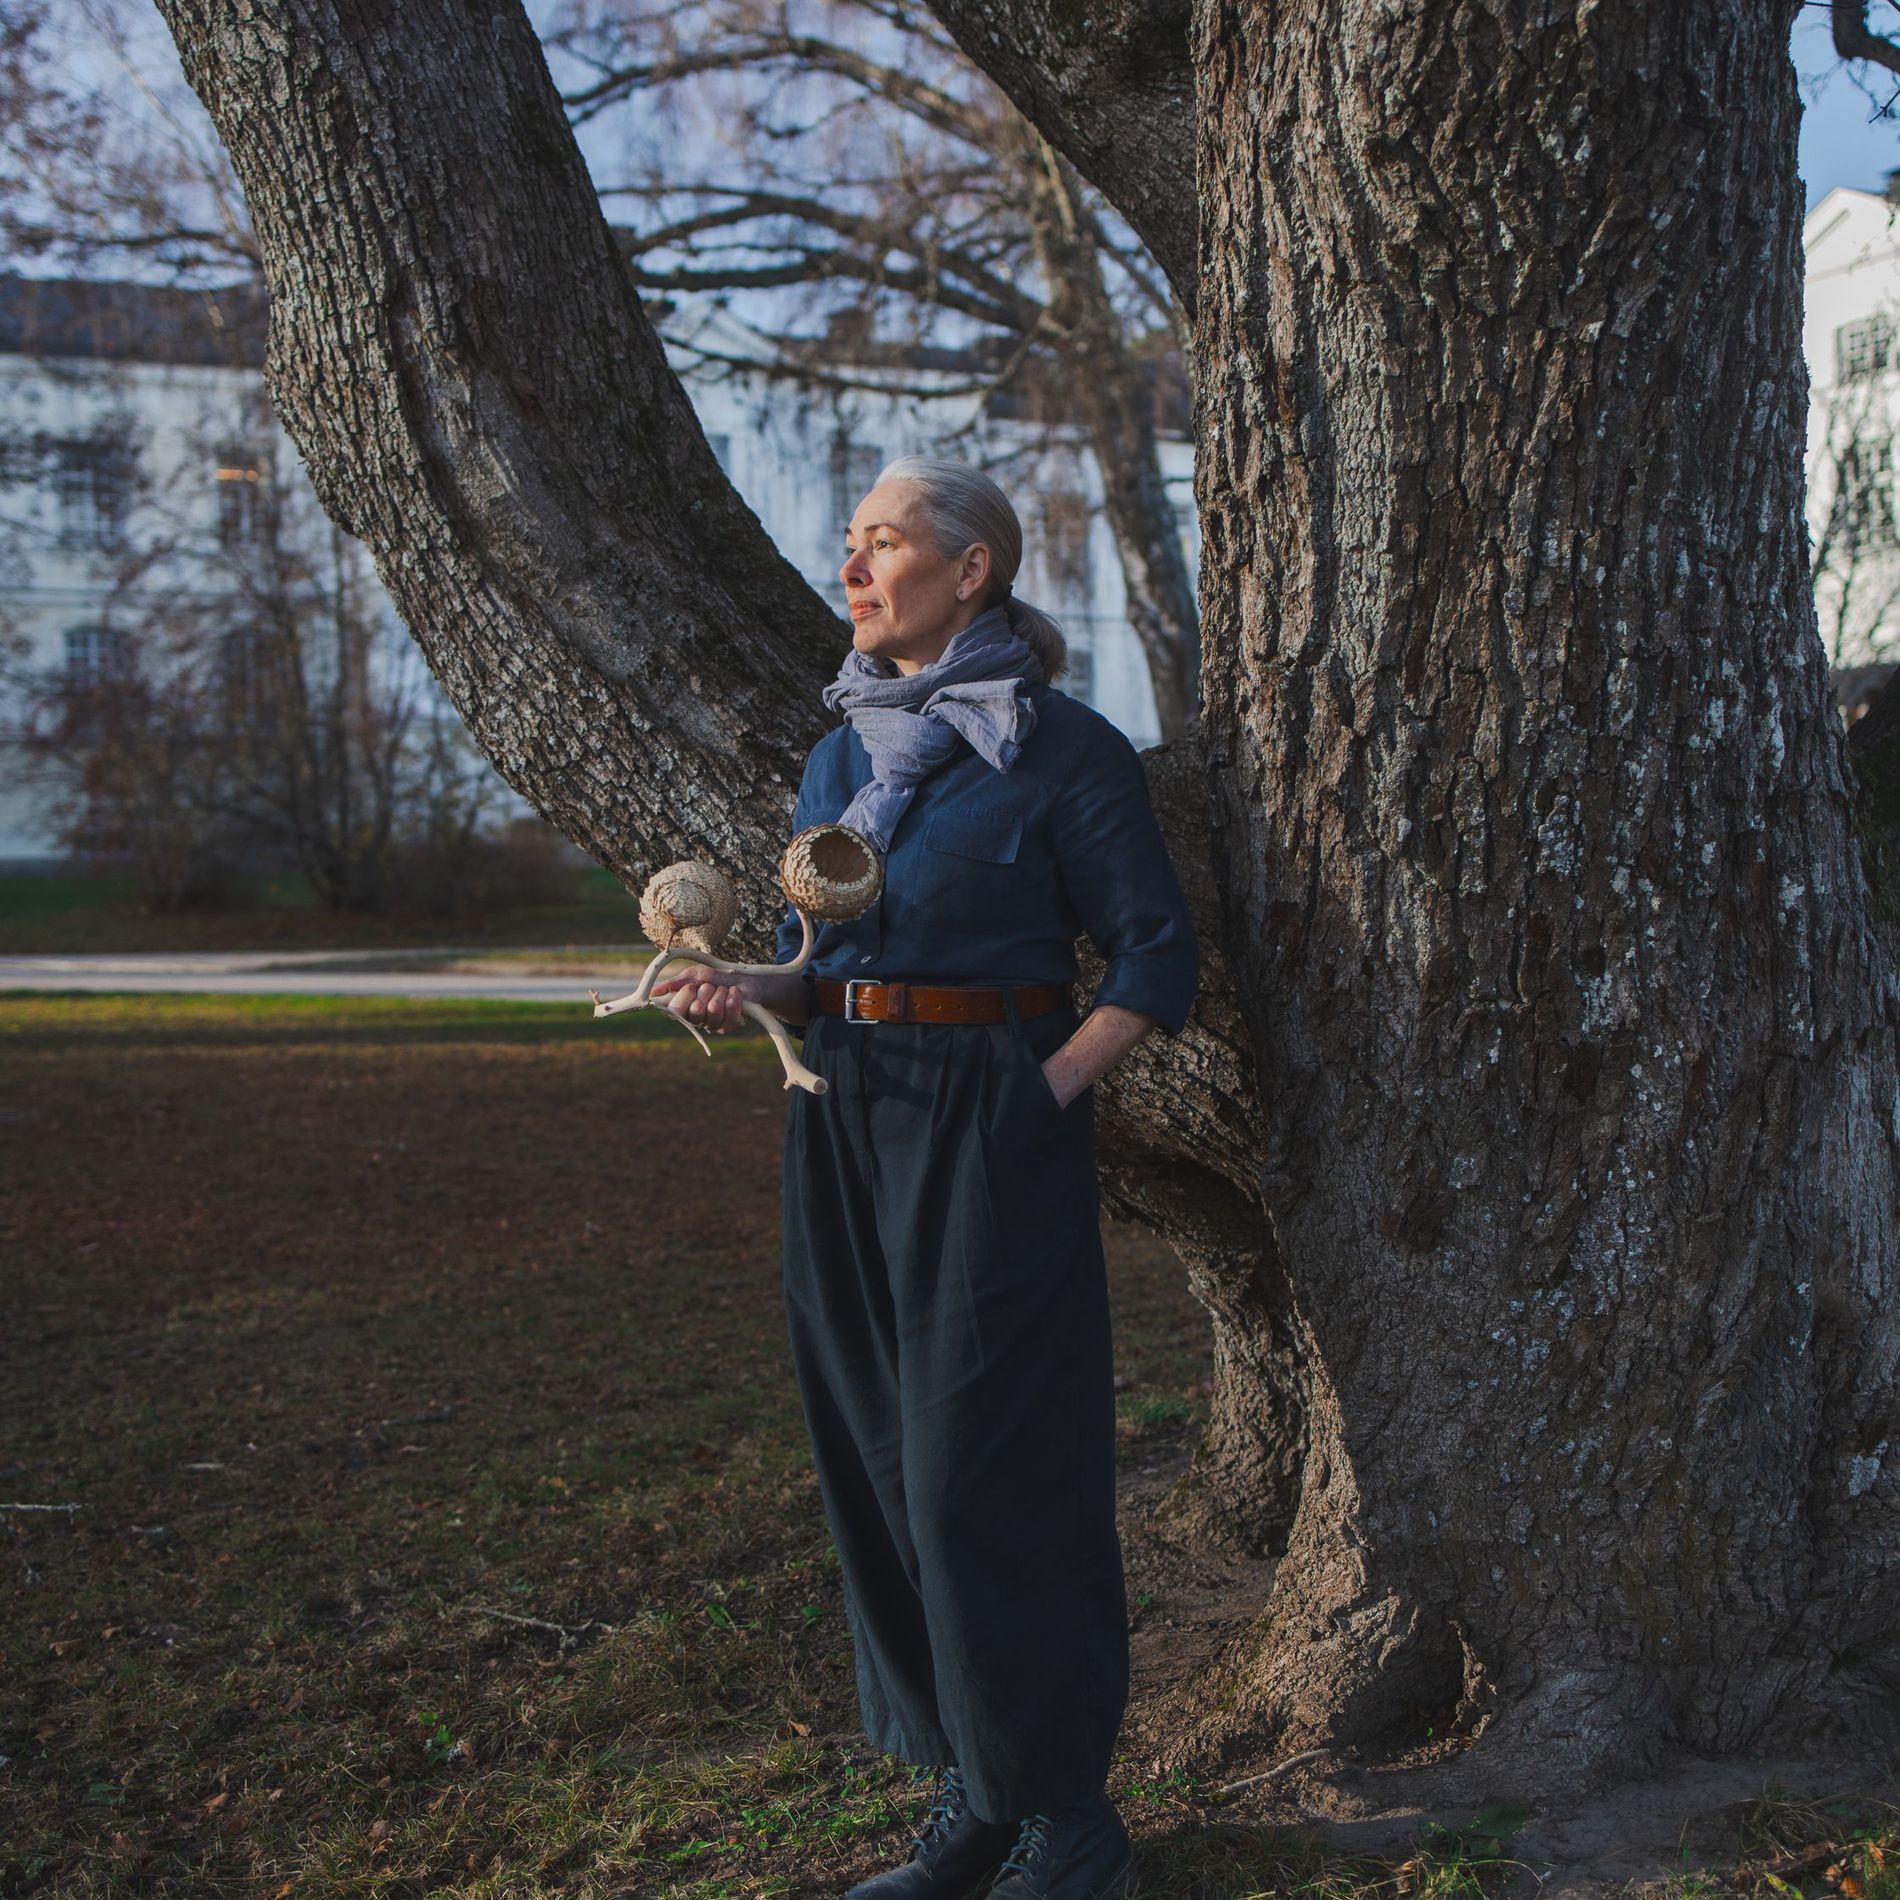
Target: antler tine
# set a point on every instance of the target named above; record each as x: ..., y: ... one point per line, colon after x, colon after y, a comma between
x: 767, y: 969
x: 796, y: 1073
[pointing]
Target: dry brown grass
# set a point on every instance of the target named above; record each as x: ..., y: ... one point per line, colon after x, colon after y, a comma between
x: 347, y: 1325
x: 445, y: 1520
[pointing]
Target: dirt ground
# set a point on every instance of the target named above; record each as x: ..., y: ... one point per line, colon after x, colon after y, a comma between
x: 430, y: 1510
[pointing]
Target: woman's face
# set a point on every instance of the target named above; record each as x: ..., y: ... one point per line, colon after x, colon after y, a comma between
x: 906, y: 600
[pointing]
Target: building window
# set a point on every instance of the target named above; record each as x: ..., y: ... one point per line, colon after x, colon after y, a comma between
x: 240, y: 483
x: 854, y: 471
x: 1864, y: 501
x: 91, y: 654
x: 19, y: 462
x: 93, y: 484
x: 1079, y: 681
x: 1863, y: 348
x: 1068, y: 523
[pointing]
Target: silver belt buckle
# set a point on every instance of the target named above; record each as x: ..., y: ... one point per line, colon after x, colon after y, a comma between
x: 851, y: 988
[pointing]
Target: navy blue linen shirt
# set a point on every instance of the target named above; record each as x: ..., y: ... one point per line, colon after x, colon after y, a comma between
x: 992, y: 875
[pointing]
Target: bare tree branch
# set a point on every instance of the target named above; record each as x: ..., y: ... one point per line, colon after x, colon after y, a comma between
x: 1855, y: 39
x: 940, y: 110
x: 997, y: 300
x: 1117, y: 100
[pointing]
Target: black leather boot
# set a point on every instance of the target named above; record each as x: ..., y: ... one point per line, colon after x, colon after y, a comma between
x: 1078, y: 1853
x: 954, y: 1858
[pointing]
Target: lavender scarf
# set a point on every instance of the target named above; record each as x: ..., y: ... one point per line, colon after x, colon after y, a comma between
x: 910, y: 722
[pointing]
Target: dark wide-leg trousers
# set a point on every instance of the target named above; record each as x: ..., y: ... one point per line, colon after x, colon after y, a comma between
x: 948, y: 1307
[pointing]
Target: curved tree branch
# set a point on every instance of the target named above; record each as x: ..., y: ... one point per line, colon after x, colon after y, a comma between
x: 1112, y: 88
x: 1855, y: 39
x: 940, y: 110
x: 459, y: 353
x: 990, y: 298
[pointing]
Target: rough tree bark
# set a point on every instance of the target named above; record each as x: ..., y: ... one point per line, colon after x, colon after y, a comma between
x: 1549, y: 919
x: 1535, y: 896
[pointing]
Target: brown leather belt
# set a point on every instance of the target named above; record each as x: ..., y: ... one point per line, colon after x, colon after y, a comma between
x: 862, y: 1002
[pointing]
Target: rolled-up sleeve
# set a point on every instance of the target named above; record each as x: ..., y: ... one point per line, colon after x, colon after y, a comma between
x: 1116, y: 871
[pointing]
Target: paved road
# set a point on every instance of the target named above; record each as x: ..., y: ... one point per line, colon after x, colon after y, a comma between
x: 312, y: 973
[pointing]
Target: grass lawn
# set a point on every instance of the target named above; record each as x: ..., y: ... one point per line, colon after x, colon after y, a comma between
x: 445, y: 1524
x: 57, y: 915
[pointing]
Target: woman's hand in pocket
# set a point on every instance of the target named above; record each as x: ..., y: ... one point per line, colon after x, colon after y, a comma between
x: 1106, y: 1035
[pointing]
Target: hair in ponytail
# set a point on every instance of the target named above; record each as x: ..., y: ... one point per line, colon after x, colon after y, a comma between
x: 962, y: 507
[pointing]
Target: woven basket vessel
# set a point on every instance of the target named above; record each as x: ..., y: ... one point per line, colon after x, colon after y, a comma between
x: 831, y: 872
x: 687, y: 906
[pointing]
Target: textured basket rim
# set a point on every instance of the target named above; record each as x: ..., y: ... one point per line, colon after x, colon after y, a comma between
x: 860, y: 892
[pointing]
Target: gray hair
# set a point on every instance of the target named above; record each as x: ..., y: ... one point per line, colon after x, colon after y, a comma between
x: 962, y: 507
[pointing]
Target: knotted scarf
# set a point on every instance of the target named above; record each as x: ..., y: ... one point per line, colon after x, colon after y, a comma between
x: 910, y: 722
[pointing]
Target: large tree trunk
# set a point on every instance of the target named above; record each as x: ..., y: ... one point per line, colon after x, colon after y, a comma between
x: 1534, y: 899
x: 1581, y: 1122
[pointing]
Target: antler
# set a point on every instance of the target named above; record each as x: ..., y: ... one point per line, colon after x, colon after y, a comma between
x: 642, y: 995
x: 828, y: 871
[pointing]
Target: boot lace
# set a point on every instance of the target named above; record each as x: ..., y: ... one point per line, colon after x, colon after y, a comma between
x: 1031, y: 1851
x: 947, y: 1803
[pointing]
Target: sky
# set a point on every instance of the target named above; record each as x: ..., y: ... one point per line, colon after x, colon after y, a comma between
x: 1843, y: 140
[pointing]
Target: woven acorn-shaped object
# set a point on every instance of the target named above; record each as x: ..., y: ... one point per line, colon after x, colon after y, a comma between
x: 688, y: 906
x: 831, y: 872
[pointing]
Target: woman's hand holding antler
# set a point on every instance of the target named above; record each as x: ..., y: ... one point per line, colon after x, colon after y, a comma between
x: 708, y: 1000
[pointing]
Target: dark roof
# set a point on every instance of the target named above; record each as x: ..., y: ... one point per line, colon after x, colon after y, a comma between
x: 131, y: 323
x: 1858, y: 686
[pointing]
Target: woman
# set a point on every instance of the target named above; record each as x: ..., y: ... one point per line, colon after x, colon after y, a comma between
x: 944, y: 1279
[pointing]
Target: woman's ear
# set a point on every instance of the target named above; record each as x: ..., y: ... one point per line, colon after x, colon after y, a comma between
x: 974, y: 573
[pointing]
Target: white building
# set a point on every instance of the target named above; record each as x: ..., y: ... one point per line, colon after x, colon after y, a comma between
x: 1851, y: 241
x: 135, y: 443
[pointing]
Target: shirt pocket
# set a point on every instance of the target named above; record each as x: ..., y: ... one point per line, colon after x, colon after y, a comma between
x: 990, y: 835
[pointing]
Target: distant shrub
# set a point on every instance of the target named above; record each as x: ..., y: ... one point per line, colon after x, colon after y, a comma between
x: 521, y: 865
